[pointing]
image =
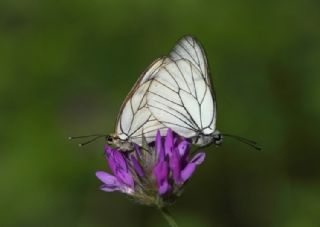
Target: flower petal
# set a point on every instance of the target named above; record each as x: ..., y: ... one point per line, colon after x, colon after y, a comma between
x: 164, y: 188
x: 161, y: 172
x: 106, y: 177
x: 125, y: 177
x: 108, y: 150
x: 168, y: 144
x: 175, y: 166
x: 184, y: 150
x: 159, y: 146
x: 187, y: 172
x: 183, y: 147
x: 110, y: 157
x: 111, y: 183
x: 110, y: 188
x: 119, y: 159
x: 198, y: 158
x: 112, y: 164
x: 137, y: 167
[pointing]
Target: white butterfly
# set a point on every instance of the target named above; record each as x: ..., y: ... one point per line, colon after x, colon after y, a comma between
x: 134, y: 119
x: 180, y: 95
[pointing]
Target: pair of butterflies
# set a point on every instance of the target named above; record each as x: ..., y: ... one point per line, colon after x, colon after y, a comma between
x: 173, y: 92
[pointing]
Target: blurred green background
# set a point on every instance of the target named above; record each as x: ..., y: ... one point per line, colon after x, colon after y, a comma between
x: 66, y: 66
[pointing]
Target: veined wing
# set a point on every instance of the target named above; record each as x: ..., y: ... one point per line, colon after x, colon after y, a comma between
x: 190, y: 49
x: 134, y: 118
x: 180, y: 98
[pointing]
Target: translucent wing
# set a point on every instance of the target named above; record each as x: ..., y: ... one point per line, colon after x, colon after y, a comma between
x: 190, y: 49
x: 180, y: 97
x: 134, y: 118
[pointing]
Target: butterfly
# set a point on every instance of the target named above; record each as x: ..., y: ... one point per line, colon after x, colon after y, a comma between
x: 135, y: 122
x: 181, y: 96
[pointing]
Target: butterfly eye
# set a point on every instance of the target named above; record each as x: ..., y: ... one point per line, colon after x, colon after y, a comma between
x: 109, y: 139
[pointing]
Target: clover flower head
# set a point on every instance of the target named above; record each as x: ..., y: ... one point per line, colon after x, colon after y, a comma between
x: 154, y: 174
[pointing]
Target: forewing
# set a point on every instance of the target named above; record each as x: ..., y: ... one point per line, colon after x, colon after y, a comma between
x: 134, y: 118
x: 180, y: 98
x: 190, y: 49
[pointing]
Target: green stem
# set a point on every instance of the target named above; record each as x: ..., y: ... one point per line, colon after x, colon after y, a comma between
x: 168, y: 217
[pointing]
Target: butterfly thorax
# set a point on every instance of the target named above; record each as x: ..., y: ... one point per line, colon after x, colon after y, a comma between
x: 206, y: 139
x: 202, y: 140
x: 123, y: 145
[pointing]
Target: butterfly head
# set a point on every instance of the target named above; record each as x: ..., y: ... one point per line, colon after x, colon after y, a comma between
x: 115, y: 141
x: 217, y: 138
x: 110, y: 139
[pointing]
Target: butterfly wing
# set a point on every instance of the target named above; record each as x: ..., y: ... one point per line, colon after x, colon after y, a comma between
x: 135, y: 119
x: 180, y: 99
x: 190, y: 49
x: 180, y: 95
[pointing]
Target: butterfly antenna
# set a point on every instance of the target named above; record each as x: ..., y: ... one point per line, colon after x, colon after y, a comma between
x: 95, y: 137
x: 251, y: 143
x: 87, y: 136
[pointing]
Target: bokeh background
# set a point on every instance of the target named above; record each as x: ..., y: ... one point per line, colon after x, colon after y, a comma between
x: 66, y: 66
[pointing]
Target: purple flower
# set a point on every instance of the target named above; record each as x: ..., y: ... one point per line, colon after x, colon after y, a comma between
x: 161, y: 172
x: 181, y: 167
x: 122, y: 179
x: 154, y: 173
